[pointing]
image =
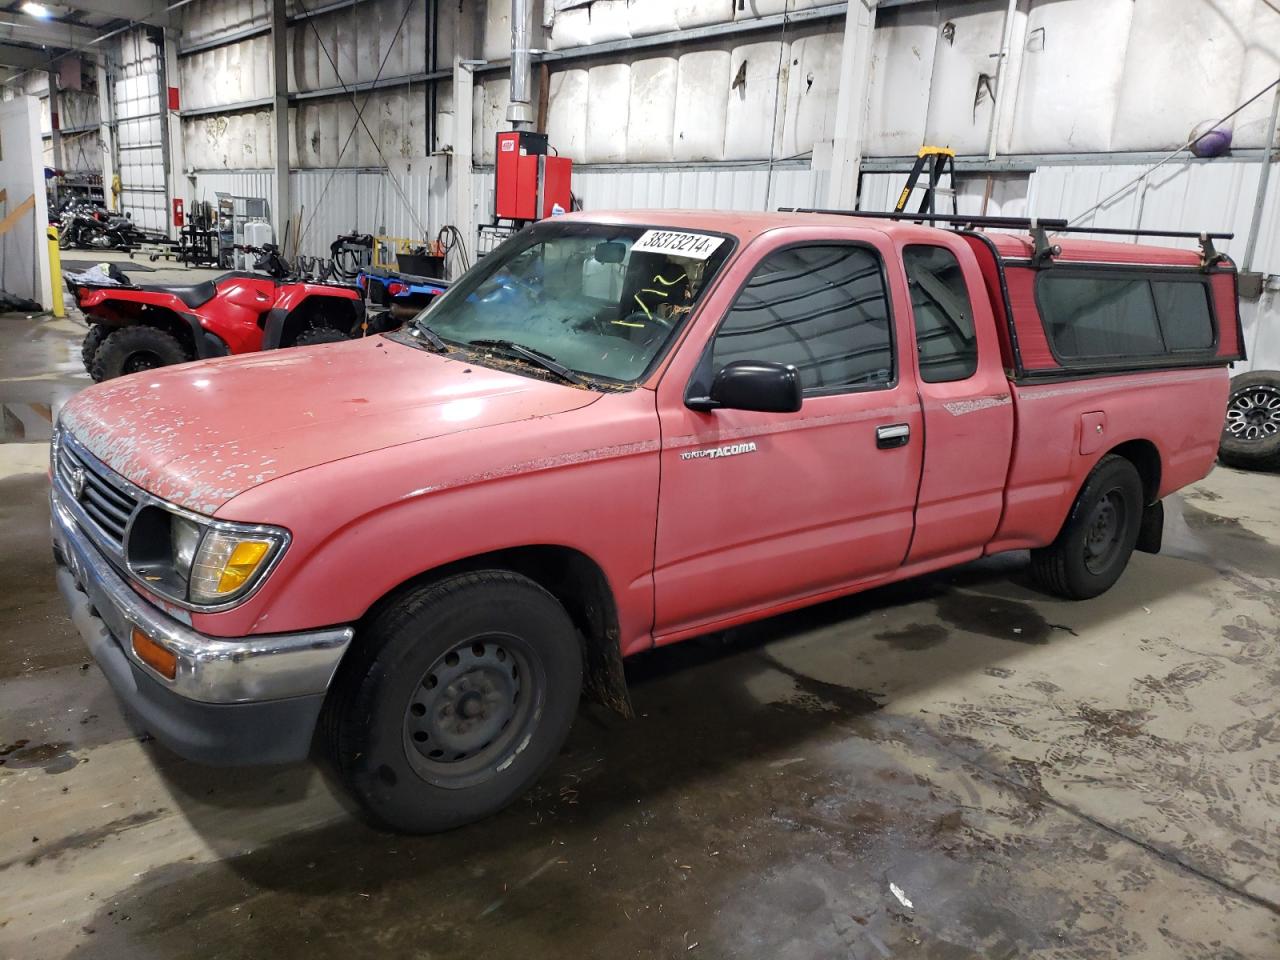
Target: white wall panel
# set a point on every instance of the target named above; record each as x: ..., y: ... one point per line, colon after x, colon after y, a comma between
x: 1261, y: 66
x: 648, y: 17
x: 701, y: 80
x: 229, y: 141
x: 960, y: 101
x: 652, y: 109
x: 566, y: 118
x: 489, y: 112
x: 756, y: 107
x: 608, y: 105
x: 229, y: 74
x: 811, y: 89
x: 496, y: 38
x: 322, y: 130
x: 751, y: 9
x: 1184, y: 55
x: 204, y: 20
x: 1065, y: 101
x: 901, y: 75
x: 699, y: 13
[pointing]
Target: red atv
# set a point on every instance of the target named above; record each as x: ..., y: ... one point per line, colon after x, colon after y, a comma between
x: 135, y: 328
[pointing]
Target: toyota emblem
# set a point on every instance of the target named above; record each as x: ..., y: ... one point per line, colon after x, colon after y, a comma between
x: 77, y: 482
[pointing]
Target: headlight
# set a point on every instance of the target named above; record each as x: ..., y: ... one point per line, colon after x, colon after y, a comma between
x: 200, y: 562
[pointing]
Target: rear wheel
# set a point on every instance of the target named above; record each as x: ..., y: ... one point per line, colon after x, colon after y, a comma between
x: 457, y: 698
x: 1098, y: 536
x: 89, y: 349
x: 314, y: 335
x: 1251, y: 435
x: 135, y: 349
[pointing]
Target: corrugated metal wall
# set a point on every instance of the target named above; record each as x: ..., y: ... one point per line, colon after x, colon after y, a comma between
x: 692, y: 188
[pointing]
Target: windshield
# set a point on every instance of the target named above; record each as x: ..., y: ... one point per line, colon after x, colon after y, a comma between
x: 601, y: 300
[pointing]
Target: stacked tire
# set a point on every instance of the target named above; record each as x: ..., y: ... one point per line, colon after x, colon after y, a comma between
x: 1251, y: 434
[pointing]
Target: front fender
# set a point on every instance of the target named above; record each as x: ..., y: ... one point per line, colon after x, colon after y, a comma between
x: 416, y: 507
x: 294, y: 295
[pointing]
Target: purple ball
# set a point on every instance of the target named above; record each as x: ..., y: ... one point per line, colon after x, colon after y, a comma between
x: 1215, y: 143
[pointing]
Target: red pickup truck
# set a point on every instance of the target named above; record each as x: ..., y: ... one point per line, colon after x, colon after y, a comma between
x: 617, y: 431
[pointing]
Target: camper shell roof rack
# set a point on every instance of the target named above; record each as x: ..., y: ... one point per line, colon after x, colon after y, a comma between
x: 1038, y: 227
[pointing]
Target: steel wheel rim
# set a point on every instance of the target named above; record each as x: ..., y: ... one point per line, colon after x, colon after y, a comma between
x: 1104, y: 531
x: 1253, y: 414
x: 142, y: 360
x: 473, y: 710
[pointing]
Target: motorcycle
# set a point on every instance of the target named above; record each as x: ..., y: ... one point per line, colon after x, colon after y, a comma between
x: 135, y: 328
x: 90, y: 227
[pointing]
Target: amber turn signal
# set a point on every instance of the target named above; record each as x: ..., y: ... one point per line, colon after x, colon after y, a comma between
x: 162, y: 661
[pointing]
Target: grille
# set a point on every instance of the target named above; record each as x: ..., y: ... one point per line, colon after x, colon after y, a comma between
x: 107, y: 505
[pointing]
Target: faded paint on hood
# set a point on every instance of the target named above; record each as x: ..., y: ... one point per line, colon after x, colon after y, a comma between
x: 201, y: 433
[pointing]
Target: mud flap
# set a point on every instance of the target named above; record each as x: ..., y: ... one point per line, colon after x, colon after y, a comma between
x: 1151, y: 531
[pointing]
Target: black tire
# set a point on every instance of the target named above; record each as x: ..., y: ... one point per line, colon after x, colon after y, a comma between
x: 135, y: 349
x: 314, y: 335
x: 1098, y: 536
x: 89, y: 349
x: 1251, y: 434
x: 397, y: 724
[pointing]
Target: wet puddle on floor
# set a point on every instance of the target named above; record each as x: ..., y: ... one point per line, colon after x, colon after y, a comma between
x: 1222, y: 542
x: 24, y: 755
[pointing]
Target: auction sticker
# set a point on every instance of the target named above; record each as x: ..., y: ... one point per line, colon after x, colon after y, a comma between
x: 694, y: 246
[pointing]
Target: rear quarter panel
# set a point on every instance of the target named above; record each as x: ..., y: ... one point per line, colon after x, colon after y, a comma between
x: 1179, y: 411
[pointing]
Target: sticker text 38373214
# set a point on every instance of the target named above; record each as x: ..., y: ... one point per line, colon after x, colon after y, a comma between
x: 693, y: 246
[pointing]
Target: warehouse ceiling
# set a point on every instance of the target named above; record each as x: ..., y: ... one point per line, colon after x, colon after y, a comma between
x: 30, y: 39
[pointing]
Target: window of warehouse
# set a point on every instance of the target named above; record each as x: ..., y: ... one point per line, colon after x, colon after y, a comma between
x: 820, y: 308
x: 1094, y: 316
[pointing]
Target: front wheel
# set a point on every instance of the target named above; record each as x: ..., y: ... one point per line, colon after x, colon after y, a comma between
x: 455, y: 699
x: 135, y: 349
x: 1099, y: 534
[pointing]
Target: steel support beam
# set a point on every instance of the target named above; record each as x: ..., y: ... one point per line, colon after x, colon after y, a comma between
x: 171, y: 132
x: 154, y: 12
x: 460, y: 211
x: 27, y: 58
x: 852, y: 104
x: 55, y: 122
x: 281, y: 203
x: 106, y: 132
x: 49, y: 33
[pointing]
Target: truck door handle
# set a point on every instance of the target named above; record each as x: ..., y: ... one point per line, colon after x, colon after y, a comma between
x: 892, y: 435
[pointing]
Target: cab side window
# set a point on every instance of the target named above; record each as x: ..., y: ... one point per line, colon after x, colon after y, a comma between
x: 945, y: 339
x: 823, y: 309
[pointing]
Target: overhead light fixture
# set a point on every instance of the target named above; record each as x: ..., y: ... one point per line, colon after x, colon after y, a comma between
x: 34, y: 9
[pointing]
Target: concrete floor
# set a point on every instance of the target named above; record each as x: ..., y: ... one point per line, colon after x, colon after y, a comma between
x: 953, y: 767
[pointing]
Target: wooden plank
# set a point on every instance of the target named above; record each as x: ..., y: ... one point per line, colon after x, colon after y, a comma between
x: 11, y: 221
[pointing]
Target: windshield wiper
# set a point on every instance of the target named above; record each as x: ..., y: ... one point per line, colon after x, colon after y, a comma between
x: 420, y: 329
x: 537, y: 357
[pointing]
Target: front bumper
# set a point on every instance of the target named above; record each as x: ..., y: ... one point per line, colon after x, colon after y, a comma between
x: 249, y: 700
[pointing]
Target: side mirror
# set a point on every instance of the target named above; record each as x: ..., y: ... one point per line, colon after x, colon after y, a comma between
x: 760, y: 386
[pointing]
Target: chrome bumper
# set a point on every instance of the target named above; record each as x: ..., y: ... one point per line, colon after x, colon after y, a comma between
x: 210, y: 670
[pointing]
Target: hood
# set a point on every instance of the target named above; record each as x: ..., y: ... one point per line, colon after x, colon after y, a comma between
x: 198, y: 434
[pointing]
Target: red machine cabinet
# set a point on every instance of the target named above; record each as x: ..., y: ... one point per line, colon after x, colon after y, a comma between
x: 528, y: 182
